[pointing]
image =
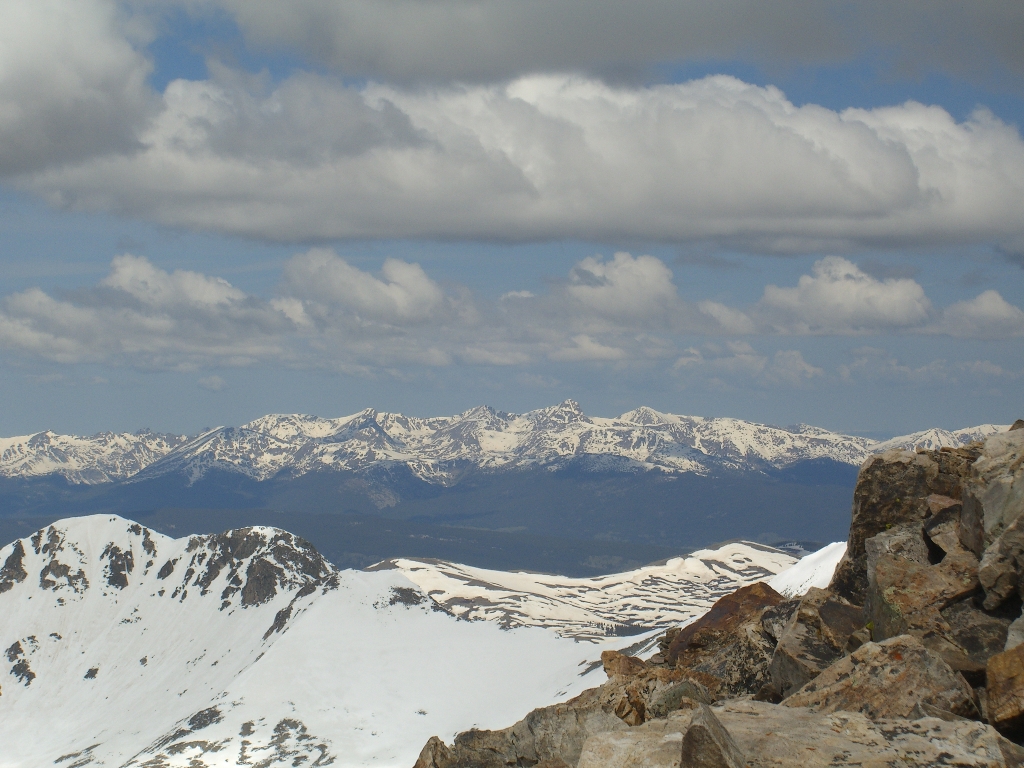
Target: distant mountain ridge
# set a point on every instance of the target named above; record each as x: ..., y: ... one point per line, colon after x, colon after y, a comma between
x: 440, y: 450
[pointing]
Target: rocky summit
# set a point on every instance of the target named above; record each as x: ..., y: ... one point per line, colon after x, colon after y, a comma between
x: 913, y: 655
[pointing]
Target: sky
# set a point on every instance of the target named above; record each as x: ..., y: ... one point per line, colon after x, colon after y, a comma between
x: 795, y: 212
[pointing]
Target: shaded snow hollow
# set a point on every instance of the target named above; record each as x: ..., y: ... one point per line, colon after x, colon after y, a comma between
x: 123, y: 647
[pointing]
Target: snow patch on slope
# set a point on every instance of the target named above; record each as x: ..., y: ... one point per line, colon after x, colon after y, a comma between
x: 589, y: 609
x: 814, y: 570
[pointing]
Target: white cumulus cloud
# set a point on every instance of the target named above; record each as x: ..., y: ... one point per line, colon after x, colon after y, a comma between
x: 840, y: 298
x: 555, y: 156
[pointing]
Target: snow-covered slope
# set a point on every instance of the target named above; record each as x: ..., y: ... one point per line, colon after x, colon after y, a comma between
x: 123, y: 647
x: 97, y: 459
x: 814, y: 570
x: 619, y: 604
x: 439, y: 450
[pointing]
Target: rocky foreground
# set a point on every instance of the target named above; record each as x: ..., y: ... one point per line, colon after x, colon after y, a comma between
x: 913, y: 656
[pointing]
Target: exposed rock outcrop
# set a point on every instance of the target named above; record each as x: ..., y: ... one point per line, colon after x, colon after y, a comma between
x: 731, y: 643
x: 886, y: 680
x: 892, y: 490
x: 815, y: 636
x: 994, y: 494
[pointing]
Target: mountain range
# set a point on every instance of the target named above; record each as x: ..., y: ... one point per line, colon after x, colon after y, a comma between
x: 442, y: 449
x: 124, y: 647
x: 486, y: 488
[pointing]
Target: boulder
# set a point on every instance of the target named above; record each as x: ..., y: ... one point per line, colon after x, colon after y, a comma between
x: 942, y: 528
x: 907, y: 593
x: 728, y: 644
x: 657, y: 744
x: 815, y: 636
x: 887, y: 680
x: 982, y: 635
x: 637, y: 691
x: 550, y: 736
x: 892, y: 489
x: 1005, y: 691
x: 993, y: 495
x: 796, y: 737
x: 708, y: 745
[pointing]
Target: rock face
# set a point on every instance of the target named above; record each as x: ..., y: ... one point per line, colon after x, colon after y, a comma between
x: 815, y: 636
x: 892, y: 489
x: 886, y: 680
x: 994, y: 494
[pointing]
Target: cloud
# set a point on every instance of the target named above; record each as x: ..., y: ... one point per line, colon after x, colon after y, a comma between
x: 326, y: 283
x: 738, y: 362
x: 871, y: 364
x: 213, y: 383
x: 840, y: 298
x: 327, y: 313
x: 72, y: 85
x: 546, y: 157
x: 146, y: 317
x: 624, y: 287
x: 585, y: 349
x: 495, y: 40
x: 987, y: 315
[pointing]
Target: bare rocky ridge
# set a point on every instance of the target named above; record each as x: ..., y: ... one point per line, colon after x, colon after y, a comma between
x: 914, y: 655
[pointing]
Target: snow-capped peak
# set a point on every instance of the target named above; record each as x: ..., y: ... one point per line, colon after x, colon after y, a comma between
x: 440, y: 449
x: 120, y: 646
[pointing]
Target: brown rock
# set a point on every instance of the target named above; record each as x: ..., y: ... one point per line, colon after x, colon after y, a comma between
x: 891, y: 490
x: 1005, y: 690
x: 616, y: 663
x: 708, y: 745
x: 886, y: 680
x: 728, y: 643
x: 817, y: 635
x: 906, y: 595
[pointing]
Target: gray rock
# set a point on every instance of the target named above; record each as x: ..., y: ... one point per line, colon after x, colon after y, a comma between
x: 942, y: 529
x: 993, y: 496
x: 671, y: 698
x: 817, y: 635
x: 794, y: 737
x: 1014, y: 634
x: 886, y: 680
x: 980, y: 634
x: 657, y: 744
x: 1002, y: 564
x: 708, y: 745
